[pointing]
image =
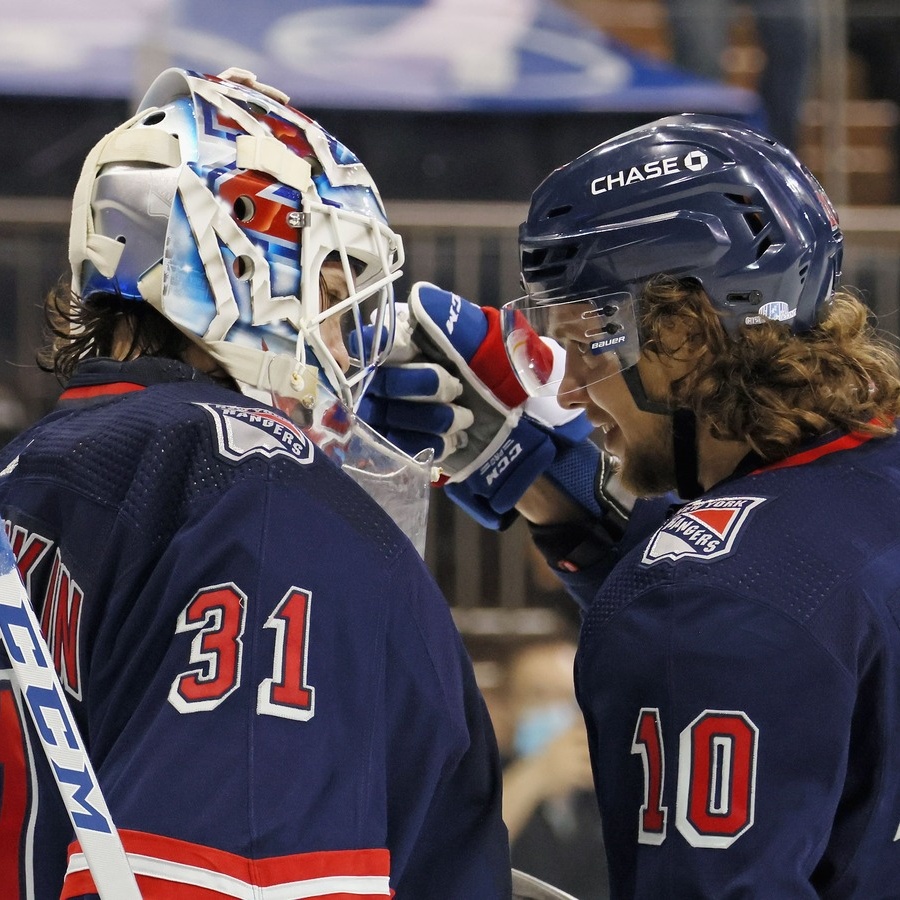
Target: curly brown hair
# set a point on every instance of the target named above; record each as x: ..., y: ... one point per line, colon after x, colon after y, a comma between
x: 77, y: 331
x: 770, y: 387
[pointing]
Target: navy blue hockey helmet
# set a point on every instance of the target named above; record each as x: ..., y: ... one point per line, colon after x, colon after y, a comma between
x: 692, y: 196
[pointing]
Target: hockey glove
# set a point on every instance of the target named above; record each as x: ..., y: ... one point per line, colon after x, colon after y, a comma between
x: 448, y: 385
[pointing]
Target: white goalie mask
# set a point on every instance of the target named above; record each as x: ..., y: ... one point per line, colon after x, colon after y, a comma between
x: 219, y: 204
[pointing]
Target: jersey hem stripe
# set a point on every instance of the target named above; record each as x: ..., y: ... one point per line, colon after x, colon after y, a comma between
x: 178, y: 870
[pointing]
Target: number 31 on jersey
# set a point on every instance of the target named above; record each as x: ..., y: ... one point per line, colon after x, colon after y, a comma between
x: 216, y: 615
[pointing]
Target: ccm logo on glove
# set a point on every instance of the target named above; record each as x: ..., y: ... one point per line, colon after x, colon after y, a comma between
x: 453, y: 317
x: 507, y: 454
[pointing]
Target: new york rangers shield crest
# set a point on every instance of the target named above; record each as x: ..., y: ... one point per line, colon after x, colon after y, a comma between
x: 704, y: 530
x: 243, y: 431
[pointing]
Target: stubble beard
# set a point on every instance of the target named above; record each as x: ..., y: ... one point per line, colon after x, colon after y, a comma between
x: 648, y: 470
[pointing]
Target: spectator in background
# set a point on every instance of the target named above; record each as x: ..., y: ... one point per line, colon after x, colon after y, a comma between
x: 548, y: 798
x: 787, y: 33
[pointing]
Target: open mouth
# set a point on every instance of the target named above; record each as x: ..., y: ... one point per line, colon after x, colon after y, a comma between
x: 610, y: 432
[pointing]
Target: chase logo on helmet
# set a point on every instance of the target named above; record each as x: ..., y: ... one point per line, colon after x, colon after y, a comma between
x: 695, y: 161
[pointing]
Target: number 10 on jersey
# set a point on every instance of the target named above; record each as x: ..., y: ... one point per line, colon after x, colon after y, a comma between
x: 716, y: 792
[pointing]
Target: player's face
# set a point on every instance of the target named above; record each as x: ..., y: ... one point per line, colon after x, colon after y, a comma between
x: 641, y: 441
x: 334, y: 288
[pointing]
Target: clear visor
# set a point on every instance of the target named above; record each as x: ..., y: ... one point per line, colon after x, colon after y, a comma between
x: 597, y: 333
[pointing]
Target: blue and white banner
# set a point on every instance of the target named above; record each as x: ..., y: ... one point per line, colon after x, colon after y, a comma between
x: 510, y: 55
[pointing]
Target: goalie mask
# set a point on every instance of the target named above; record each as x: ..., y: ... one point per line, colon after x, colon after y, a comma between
x: 218, y: 204
x: 695, y: 197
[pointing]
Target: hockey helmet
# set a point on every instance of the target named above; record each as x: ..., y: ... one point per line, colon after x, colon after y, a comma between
x: 218, y: 204
x: 691, y: 196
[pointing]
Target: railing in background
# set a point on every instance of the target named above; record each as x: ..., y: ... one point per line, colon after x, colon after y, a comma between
x: 466, y: 247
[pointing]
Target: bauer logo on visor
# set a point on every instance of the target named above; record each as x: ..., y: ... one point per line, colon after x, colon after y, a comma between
x: 598, y: 331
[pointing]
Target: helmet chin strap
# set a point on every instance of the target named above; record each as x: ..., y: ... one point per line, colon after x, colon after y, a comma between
x: 684, y: 435
x: 684, y: 441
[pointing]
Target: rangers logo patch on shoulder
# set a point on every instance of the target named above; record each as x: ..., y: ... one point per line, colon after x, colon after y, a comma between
x: 244, y: 431
x: 703, y: 529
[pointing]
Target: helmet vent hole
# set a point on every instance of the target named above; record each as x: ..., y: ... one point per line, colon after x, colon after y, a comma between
x: 550, y: 272
x: 748, y: 298
x: 244, y: 209
x: 533, y: 258
x: 154, y: 118
x: 559, y: 211
x: 755, y: 222
x: 242, y: 268
x: 256, y: 110
x: 549, y: 262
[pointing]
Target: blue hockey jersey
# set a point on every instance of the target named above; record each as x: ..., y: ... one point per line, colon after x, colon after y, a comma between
x: 268, y: 681
x: 739, y: 672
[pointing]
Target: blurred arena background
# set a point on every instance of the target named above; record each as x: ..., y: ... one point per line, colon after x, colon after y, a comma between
x: 458, y: 109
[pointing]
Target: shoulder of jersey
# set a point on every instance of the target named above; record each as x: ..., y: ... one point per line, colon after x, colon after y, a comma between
x: 205, y: 419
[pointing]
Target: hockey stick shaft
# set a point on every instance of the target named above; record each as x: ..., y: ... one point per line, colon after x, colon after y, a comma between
x: 43, y: 695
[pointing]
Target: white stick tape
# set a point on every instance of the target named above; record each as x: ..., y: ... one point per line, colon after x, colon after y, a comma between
x: 55, y: 724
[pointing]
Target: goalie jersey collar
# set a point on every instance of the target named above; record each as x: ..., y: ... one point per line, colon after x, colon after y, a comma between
x: 100, y: 380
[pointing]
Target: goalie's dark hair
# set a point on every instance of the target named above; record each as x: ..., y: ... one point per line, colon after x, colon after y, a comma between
x: 75, y: 331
